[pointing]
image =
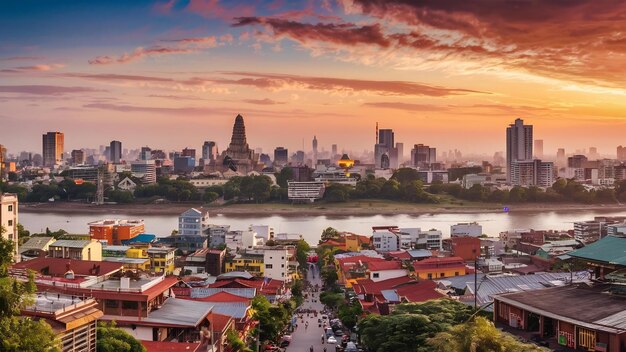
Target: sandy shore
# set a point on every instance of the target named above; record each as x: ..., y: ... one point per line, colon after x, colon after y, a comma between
x: 360, y: 208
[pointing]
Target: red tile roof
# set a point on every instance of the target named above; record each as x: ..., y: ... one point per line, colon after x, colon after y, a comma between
x: 271, y: 287
x: 421, y: 291
x: 163, y: 346
x: 386, y: 265
x: 439, y: 262
x: 401, y: 255
x: 58, y: 266
x: 223, y: 297
x: 365, y: 286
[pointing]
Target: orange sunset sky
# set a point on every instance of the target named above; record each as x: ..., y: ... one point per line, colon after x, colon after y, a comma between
x: 452, y: 74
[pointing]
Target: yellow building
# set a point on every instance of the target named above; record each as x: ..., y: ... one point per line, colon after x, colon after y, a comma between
x: 436, y: 268
x: 162, y: 259
x: 246, y: 262
x: 76, y: 249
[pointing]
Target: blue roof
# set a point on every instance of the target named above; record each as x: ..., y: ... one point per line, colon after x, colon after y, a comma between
x: 141, y: 238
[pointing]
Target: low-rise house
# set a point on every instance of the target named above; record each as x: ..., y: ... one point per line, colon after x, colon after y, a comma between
x: 439, y: 267
x: 379, y: 271
x: 35, y: 247
x: 351, y: 268
x: 76, y: 249
x: 73, y: 319
x: 379, y: 296
x: 603, y: 256
x: 577, y: 316
x: 271, y: 288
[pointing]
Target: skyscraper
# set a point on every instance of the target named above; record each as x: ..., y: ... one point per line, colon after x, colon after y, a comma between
x: 52, y: 148
x: 400, y: 152
x: 621, y: 153
x: 384, y: 147
x: 281, y: 156
x: 314, y: 151
x: 209, y: 152
x: 78, y: 157
x: 519, y: 144
x: 539, y: 148
x: 3, y: 153
x: 115, y: 149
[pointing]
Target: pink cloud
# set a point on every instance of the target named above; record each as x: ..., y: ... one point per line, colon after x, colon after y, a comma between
x: 265, y: 101
x: 138, y: 54
x: 46, y: 89
x: 214, y: 9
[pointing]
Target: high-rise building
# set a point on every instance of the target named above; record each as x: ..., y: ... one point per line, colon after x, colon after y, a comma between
x: 621, y: 153
x: 384, y: 148
x: 593, y: 153
x: 78, y: 157
x: 538, y: 148
x: 532, y: 173
x: 144, y: 169
x: 314, y: 151
x: 9, y: 218
x: 519, y: 144
x: 115, y: 150
x: 422, y: 156
x: 3, y: 156
x: 281, y: 156
x: 400, y: 153
x: 561, y: 160
x: 145, y: 154
x: 53, y: 143
x: 209, y: 152
x: 333, y: 150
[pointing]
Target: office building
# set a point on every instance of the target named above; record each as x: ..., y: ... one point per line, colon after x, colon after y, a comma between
x: 423, y: 156
x: 9, y: 218
x: 281, y: 156
x: 115, y: 152
x: 78, y: 157
x: 471, y: 229
x: 538, y: 148
x: 189, y: 152
x: 519, y: 145
x: 184, y: 164
x: 621, y: 153
x: 314, y: 144
x: 305, y: 191
x: 53, y: 143
x: 144, y: 169
x: 145, y: 153
x: 209, y: 152
x: 400, y: 154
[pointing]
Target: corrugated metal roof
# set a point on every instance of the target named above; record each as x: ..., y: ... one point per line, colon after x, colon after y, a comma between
x: 180, y: 312
x: 35, y: 243
x: 390, y: 295
x: 617, y: 320
x: 609, y: 249
x: 71, y: 243
x: 236, y: 310
x: 209, y: 291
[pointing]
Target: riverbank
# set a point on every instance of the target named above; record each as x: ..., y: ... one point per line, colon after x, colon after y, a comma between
x: 354, y: 208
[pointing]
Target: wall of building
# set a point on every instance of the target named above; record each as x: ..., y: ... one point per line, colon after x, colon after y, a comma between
x: 387, y: 274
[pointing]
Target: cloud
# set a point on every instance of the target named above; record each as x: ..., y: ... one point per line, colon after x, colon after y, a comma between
x: 265, y: 101
x: 34, y: 68
x: 338, y: 33
x: 21, y: 58
x: 205, y: 42
x: 116, y: 77
x: 214, y: 9
x: 138, y: 53
x: 283, y: 81
x: 406, y: 106
x: 47, y: 90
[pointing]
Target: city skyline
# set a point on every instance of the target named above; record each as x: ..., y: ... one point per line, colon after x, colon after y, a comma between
x: 319, y: 68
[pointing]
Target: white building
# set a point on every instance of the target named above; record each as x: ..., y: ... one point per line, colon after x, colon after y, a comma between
x: 379, y: 271
x: 207, y: 182
x: 193, y: 222
x: 470, y: 180
x: 238, y: 240
x: 532, y: 173
x: 265, y: 232
x: 276, y: 261
x: 616, y: 230
x: 433, y: 239
x: 392, y: 238
x: 305, y: 191
x: 9, y: 219
x: 386, y: 239
x: 144, y: 169
x: 472, y: 229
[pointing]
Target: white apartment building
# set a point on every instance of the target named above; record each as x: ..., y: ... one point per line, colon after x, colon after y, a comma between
x: 387, y: 239
x: 9, y: 219
x: 532, y: 173
x: 144, y: 169
x: 265, y: 232
x: 193, y: 222
x: 305, y: 191
x: 433, y: 239
x: 276, y: 262
x: 237, y: 240
x: 472, y: 229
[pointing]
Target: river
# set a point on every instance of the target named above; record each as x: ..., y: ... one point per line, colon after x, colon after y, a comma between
x: 312, y: 226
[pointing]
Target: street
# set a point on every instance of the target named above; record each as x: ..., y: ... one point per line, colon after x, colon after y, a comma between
x: 303, y: 338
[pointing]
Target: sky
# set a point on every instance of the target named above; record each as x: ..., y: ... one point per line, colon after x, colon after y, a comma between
x: 451, y: 74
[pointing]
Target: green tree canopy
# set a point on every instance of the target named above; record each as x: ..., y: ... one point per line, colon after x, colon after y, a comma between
x: 21, y: 334
x: 114, y: 339
x: 329, y: 233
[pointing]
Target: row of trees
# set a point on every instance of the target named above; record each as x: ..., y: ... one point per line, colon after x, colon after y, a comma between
x: 438, y: 325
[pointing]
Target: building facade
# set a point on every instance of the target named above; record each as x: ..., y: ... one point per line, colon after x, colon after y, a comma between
x: 519, y: 145
x: 9, y: 219
x: 193, y: 222
x: 52, y: 148
x: 115, y: 152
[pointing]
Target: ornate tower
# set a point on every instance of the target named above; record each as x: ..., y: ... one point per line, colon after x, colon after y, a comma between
x: 238, y: 148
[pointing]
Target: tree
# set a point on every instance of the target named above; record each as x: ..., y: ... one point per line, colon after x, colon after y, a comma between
x: 272, y: 318
x: 405, y: 175
x: 6, y: 253
x: 329, y: 233
x: 282, y: 177
x: 210, y: 197
x: 331, y: 299
x: 302, y: 254
x: 114, y: 339
x: 329, y: 276
x: 478, y: 336
x: 21, y: 334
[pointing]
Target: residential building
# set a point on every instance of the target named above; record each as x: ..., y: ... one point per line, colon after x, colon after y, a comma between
x: 35, y: 247
x: 532, y: 173
x: 467, y: 248
x: 519, y: 145
x: 577, y: 317
x: 78, y: 157
x: 145, y: 170
x: 276, y: 263
x: 252, y: 262
x: 73, y: 319
x: 385, y: 270
x: 76, y: 249
x: 114, y: 231
x: 215, y: 261
x: 471, y: 229
x: 115, y: 150
x: 621, y: 153
x: 592, y: 230
x: 263, y: 231
x: 616, y: 229
x: 217, y: 234
x: 386, y: 238
x: 193, y: 222
x: 439, y: 267
x: 305, y: 191
x: 205, y: 260
x: 379, y: 297
x: 52, y: 145
x: 9, y: 219
x: 162, y: 259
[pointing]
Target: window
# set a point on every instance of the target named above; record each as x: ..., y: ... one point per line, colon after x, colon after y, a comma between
x: 282, y: 265
x: 109, y: 303
x: 375, y: 275
x: 10, y: 222
x: 129, y: 305
x: 10, y: 207
x: 430, y: 276
x: 456, y: 273
x: 268, y: 266
x: 442, y: 274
